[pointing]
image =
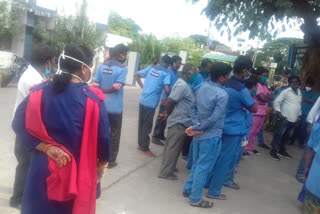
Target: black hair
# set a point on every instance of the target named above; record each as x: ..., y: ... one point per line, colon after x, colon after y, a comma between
x: 292, y: 78
x: 166, y: 59
x: 154, y: 58
x: 186, y: 68
x: 310, y: 81
x: 119, y: 49
x: 260, y: 70
x: 242, y: 63
x: 41, y: 53
x: 79, y: 52
x: 176, y: 58
x: 219, y: 69
x: 205, y: 62
x: 251, y: 82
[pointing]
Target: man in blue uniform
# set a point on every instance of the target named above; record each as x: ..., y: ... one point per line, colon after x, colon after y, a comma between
x: 111, y: 77
x: 158, y: 132
x: 157, y: 78
x: 234, y: 127
x: 207, y: 114
x: 203, y: 74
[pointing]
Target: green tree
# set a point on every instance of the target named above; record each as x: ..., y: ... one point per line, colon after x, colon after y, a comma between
x: 275, y: 51
x: 123, y: 27
x: 77, y: 29
x: 148, y: 46
x: 173, y: 45
x: 202, y: 40
x: 8, y: 27
x: 259, y: 17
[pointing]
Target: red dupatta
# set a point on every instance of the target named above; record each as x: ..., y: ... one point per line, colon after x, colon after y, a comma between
x: 70, y: 182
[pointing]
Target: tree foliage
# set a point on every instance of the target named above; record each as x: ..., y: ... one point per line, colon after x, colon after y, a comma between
x: 260, y: 17
x: 203, y: 40
x: 173, y: 45
x: 123, y: 26
x: 148, y: 46
x: 8, y: 27
x: 77, y: 29
x: 275, y: 51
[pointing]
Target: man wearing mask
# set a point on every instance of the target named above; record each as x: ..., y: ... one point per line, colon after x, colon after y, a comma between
x: 203, y: 73
x: 157, y: 79
x: 309, y: 98
x: 158, y: 132
x: 207, y: 114
x: 178, y: 112
x: 288, y: 108
x: 41, y: 63
x: 111, y: 77
x: 234, y: 128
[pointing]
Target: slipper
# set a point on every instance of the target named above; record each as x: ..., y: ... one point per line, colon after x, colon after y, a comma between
x: 203, y: 204
x: 149, y: 154
x: 169, y: 177
x: 234, y: 186
x: 219, y: 197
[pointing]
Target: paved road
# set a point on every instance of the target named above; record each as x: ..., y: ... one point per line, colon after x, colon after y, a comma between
x: 267, y: 186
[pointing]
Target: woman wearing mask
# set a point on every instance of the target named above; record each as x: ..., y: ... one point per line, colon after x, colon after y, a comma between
x: 262, y: 97
x: 65, y: 125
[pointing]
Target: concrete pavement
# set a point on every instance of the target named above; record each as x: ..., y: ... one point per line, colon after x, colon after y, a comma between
x: 267, y: 186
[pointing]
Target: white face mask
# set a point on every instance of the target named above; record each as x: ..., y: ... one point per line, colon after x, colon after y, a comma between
x: 59, y: 71
x: 308, y: 88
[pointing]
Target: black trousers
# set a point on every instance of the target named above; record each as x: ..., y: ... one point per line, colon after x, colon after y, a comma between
x: 186, y: 146
x: 23, y: 158
x: 158, y: 131
x: 146, y: 115
x: 115, y: 126
x: 283, y: 126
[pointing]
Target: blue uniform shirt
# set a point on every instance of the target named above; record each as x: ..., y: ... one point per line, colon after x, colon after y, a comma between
x: 313, y: 179
x: 156, y: 78
x: 209, y: 111
x: 173, y: 79
x: 306, y: 106
x: 109, y: 73
x: 239, y: 98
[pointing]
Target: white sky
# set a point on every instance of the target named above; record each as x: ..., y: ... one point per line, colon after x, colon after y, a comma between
x: 162, y: 18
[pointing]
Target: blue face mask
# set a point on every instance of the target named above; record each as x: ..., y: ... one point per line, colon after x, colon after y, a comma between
x: 47, y: 71
x: 246, y: 78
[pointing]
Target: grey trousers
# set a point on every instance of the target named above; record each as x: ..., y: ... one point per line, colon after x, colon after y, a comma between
x: 23, y: 158
x: 172, y: 149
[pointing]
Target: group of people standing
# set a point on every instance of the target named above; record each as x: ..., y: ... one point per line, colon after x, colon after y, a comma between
x: 68, y: 132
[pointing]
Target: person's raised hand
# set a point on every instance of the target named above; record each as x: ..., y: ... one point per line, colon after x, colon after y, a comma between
x: 58, y: 155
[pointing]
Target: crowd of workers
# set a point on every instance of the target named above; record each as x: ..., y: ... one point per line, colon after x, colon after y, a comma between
x: 68, y: 128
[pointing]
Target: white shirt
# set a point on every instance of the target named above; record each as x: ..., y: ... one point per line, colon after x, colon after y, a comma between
x: 314, y: 113
x: 29, y: 78
x: 289, y: 104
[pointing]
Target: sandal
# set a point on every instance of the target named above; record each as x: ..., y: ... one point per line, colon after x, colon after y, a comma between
x: 218, y: 197
x: 234, y: 186
x: 203, y: 204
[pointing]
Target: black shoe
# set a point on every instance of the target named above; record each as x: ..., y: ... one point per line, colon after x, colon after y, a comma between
x: 157, y: 142
x: 264, y: 146
x: 246, y: 154
x: 163, y: 138
x: 184, y: 157
x: 15, y: 204
x: 112, y: 165
x: 285, y: 154
x: 256, y: 152
x: 186, y: 195
x: 274, y: 155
